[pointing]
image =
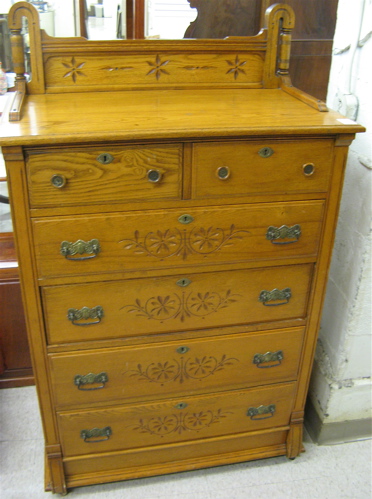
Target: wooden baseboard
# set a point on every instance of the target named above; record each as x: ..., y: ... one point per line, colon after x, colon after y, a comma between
x: 335, y: 433
x: 16, y: 378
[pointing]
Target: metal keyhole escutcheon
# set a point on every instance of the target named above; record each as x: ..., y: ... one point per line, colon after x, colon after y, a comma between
x: 266, y: 152
x: 105, y: 158
x: 185, y: 219
x: 181, y: 405
x: 183, y: 282
x: 182, y: 350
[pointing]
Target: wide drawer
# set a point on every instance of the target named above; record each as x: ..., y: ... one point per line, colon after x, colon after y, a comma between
x: 68, y: 246
x: 280, y: 167
x: 175, y: 368
x: 134, y: 307
x: 86, y: 176
x: 135, y: 463
x: 184, y: 419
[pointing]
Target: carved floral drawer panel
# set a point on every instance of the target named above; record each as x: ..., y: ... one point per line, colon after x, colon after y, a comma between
x: 136, y: 307
x: 69, y: 246
x: 175, y: 420
x: 77, y: 176
x: 150, y: 372
x: 257, y: 167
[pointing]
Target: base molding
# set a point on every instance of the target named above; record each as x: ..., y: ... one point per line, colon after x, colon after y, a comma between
x: 337, y: 432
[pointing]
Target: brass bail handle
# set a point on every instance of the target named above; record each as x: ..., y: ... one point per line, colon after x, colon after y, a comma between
x: 87, y: 316
x: 284, y: 234
x: 261, y: 412
x: 268, y: 359
x: 69, y: 250
x: 96, y: 435
x: 91, y: 379
x: 277, y: 296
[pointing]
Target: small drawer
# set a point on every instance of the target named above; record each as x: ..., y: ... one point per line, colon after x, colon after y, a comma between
x: 176, y: 420
x: 68, y: 246
x: 174, y: 368
x: 134, y: 307
x: 243, y: 168
x: 106, y: 175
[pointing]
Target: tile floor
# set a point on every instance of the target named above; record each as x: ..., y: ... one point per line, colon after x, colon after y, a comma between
x: 322, y: 472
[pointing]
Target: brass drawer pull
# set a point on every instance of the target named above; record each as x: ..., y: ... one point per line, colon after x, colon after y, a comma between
x: 283, y: 232
x: 91, y: 379
x: 58, y: 181
x: 69, y: 250
x: 223, y: 172
x: 86, y: 435
x: 105, y: 158
x: 268, y: 357
x: 85, y: 313
x: 283, y: 296
x: 154, y: 176
x: 185, y: 219
x: 308, y: 169
x: 261, y: 412
x: 266, y: 152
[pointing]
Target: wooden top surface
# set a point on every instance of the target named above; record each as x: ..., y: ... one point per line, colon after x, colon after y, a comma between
x: 153, y: 114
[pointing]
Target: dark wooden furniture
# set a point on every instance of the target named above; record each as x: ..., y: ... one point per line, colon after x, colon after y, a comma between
x: 15, y: 360
x: 312, y: 36
x: 174, y: 204
x: 311, y: 53
x: 5, y: 52
x: 135, y: 19
x: 218, y: 18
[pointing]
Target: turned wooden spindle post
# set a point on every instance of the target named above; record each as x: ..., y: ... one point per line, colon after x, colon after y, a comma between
x: 36, y: 85
x: 17, y: 45
x: 16, y: 40
x: 284, y: 52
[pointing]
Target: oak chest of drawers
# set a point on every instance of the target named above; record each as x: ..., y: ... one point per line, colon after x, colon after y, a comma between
x: 174, y: 253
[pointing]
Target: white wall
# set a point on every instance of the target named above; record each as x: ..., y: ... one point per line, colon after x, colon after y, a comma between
x: 64, y: 20
x: 341, y: 383
x: 169, y: 18
x: 5, y: 6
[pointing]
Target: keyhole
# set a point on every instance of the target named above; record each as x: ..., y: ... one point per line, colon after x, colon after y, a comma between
x: 105, y: 158
x: 183, y: 282
x: 265, y: 152
x: 185, y: 219
x: 182, y: 350
x: 181, y: 405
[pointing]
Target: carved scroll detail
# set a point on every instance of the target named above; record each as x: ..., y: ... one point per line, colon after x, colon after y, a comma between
x: 181, y: 306
x: 174, y: 242
x: 185, y: 369
x: 178, y: 423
